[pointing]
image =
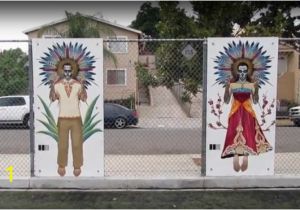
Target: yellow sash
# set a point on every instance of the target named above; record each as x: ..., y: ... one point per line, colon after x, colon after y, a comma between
x: 246, y: 104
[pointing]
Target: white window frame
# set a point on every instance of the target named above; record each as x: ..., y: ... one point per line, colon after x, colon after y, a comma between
x: 48, y: 34
x: 118, y: 37
x: 119, y: 69
x: 51, y: 36
x: 282, y: 66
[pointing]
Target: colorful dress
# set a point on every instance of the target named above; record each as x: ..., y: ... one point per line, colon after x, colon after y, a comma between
x: 244, y: 134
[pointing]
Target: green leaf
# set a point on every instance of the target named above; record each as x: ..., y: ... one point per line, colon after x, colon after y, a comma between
x: 51, y: 122
x: 108, y: 54
x: 90, y: 110
x: 49, y: 127
x: 88, y: 123
x: 91, y: 132
x: 91, y: 127
x: 55, y: 137
x: 47, y: 110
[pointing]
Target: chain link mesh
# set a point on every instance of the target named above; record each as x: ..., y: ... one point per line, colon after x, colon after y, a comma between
x: 159, y: 81
x: 14, y: 109
x: 166, y: 142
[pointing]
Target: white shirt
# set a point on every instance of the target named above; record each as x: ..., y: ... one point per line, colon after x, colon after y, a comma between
x: 68, y: 96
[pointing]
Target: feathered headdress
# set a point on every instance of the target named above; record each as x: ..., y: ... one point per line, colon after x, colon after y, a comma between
x: 235, y: 54
x: 74, y: 55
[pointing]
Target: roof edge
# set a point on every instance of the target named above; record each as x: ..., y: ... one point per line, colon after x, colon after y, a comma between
x: 94, y: 18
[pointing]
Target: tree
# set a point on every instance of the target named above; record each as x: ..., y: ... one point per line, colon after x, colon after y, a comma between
x: 82, y: 26
x: 13, y: 76
x: 275, y: 19
x: 219, y: 18
x: 214, y: 19
x: 173, y: 66
x: 252, y: 18
x: 173, y: 21
x: 147, y: 19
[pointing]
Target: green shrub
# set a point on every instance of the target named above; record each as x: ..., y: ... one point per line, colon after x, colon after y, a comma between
x: 127, y: 102
x: 144, y: 76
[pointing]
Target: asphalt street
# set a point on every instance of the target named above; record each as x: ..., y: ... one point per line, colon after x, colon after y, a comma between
x: 148, y: 140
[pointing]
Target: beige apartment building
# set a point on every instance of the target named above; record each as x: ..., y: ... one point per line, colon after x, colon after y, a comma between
x: 288, y: 74
x: 119, y: 80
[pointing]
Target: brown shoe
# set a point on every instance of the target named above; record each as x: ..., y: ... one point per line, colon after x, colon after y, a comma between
x: 61, y: 171
x: 77, y: 171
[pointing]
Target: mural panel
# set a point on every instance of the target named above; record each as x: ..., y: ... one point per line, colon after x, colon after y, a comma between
x: 241, y: 112
x: 68, y: 107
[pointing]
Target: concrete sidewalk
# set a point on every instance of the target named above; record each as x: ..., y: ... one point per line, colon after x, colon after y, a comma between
x: 147, y: 167
x: 170, y: 123
x: 163, y: 105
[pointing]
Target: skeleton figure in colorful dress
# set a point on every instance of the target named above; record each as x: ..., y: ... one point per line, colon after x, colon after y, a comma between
x: 242, y: 69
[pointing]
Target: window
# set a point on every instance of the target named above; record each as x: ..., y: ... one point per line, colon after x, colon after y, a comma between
x: 118, y: 47
x: 50, y: 33
x: 116, y: 77
x: 282, y: 64
x: 3, y: 101
x: 18, y: 101
x: 51, y: 36
x: 13, y: 101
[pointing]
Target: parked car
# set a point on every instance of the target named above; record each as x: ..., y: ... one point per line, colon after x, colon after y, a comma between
x: 15, y: 110
x: 294, y: 114
x: 119, y: 116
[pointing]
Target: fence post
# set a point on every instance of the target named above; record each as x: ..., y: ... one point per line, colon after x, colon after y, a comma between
x: 30, y: 74
x: 204, y: 106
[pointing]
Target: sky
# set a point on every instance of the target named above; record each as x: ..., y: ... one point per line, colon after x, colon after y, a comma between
x: 16, y: 17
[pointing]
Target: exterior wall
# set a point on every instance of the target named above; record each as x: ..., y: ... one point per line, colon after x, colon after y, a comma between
x: 282, y: 64
x: 124, y: 61
x: 297, y: 87
x: 286, y: 84
x: 289, y: 81
x: 293, y: 61
x: 148, y: 60
x: 61, y: 27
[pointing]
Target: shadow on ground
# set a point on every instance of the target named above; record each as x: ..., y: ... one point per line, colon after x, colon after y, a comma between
x: 151, y: 199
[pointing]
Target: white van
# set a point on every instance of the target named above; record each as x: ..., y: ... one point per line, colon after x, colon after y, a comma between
x: 294, y: 114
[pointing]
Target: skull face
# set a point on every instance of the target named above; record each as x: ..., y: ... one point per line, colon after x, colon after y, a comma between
x: 67, y: 72
x: 242, y: 72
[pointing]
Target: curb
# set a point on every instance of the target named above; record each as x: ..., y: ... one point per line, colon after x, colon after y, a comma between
x: 187, y: 183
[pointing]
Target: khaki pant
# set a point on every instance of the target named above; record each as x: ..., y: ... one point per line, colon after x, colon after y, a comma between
x: 73, y: 125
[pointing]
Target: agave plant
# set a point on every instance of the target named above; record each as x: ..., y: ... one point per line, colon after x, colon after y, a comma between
x: 88, y: 125
x: 51, y: 126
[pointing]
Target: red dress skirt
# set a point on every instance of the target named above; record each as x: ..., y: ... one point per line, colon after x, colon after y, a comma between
x: 244, y: 134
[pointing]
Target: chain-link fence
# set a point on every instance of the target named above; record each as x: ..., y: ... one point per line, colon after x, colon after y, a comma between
x: 166, y: 76
x: 161, y: 82
x: 14, y: 108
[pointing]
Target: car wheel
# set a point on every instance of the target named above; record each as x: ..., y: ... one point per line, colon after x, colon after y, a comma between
x: 120, y: 122
x: 297, y: 123
x: 26, y: 121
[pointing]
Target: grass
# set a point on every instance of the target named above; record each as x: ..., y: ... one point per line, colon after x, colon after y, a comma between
x: 151, y: 199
